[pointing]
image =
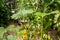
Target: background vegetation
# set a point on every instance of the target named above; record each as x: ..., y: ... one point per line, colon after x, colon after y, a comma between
x: 30, y: 19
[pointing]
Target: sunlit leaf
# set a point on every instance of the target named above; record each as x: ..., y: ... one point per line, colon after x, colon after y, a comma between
x: 39, y: 14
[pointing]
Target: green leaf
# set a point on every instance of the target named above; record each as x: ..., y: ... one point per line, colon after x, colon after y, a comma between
x: 4, y: 39
x: 2, y: 30
x: 15, y: 16
x: 19, y: 33
x: 39, y: 14
x: 10, y: 28
x: 47, y: 24
x: 22, y: 13
x: 11, y: 37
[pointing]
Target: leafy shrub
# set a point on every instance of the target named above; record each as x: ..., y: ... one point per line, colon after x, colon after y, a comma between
x: 5, y: 11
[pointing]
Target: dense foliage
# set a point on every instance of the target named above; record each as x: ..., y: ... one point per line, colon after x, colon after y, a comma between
x: 38, y: 19
x: 6, y: 9
x: 47, y: 9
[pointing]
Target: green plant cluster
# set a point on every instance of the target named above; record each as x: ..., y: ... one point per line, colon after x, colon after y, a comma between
x: 36, y: 16
x: 46, y: 13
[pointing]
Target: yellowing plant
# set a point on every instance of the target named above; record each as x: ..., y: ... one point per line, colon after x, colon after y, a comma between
x: 27, y: 26
x: 24, y: 37
x: 24, y: 32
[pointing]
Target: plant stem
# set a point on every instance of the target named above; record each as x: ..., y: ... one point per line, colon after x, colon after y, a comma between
x: 42, y: 29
